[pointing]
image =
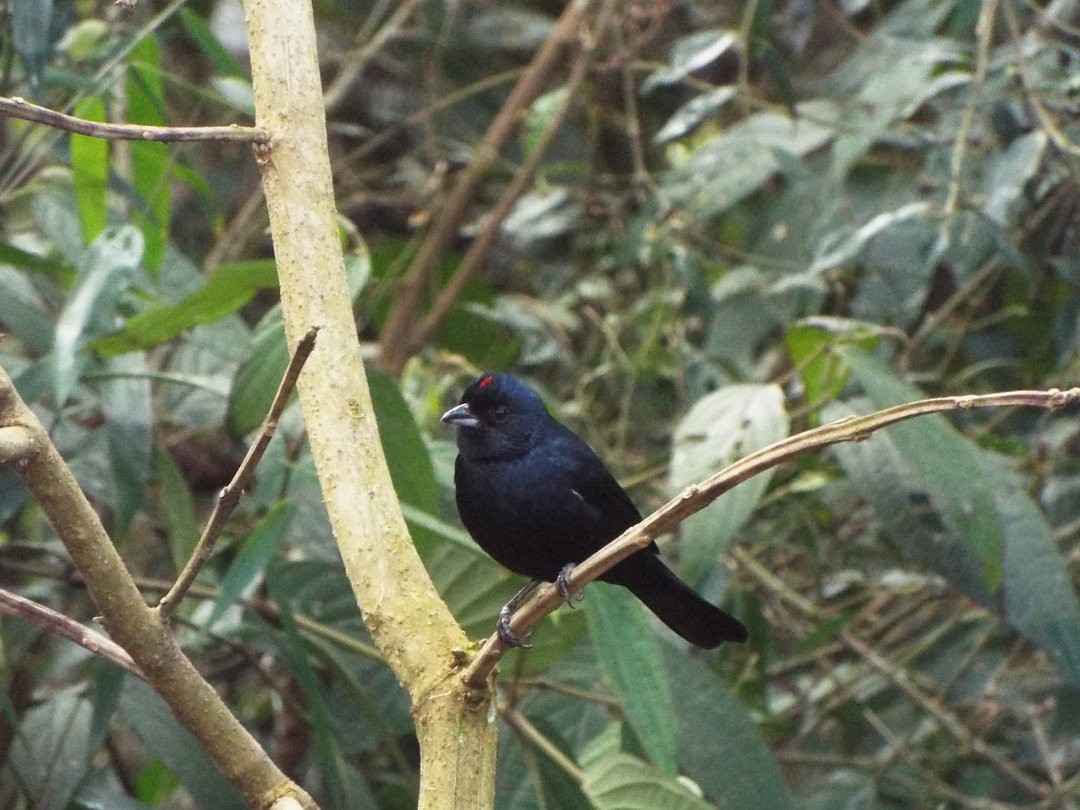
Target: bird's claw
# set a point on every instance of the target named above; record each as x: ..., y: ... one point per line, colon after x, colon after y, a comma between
x: 562, y: 585
x: 506, y: 635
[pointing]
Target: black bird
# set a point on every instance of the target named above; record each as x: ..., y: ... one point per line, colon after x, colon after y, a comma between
x: 536, y: 498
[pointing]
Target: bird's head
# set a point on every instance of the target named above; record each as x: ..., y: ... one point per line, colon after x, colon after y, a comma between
x: 498, y: 417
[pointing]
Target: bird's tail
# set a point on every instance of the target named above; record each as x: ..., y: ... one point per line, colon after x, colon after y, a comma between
x: 677, y: 605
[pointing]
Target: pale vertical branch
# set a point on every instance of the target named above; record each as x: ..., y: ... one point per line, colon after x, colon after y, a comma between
x: 408, y: 621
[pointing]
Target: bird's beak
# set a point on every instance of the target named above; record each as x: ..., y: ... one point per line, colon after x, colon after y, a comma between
x: 460, y: 416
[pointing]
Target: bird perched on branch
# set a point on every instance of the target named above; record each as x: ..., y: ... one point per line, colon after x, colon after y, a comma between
x: 536, y: 498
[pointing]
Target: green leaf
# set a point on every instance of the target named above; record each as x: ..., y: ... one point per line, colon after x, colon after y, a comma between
x: 259, y: 376
x: 90, y: 169
x: 125, y: 401
x: 294, y: 657
x: 622, y: 782
x: 1040, y: 599
x: 946, y: 462
x: 150, y: 161
x: 51, y: 753
x: 691, y: 53
x: 104, y: 273
x: 720, y: 428
x: 732, y: 165
x: 228, y: 289
x: 693, y: 113
x: 162, y: 734
x: 255, y: 555
x: 217, y: 54
x: 32, y: 36
x: 808, y: 342
x: 879, y: 471
x: 630, y: 657
x: 178, y: 508
x: 720, y: 745
x: 527, y: 777
x: 406, y: 453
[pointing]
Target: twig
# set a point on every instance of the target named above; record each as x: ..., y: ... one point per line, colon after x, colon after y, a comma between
x: 984, y: 30
x: 58, y: 624
x: 229, y: 497
x: 21, y: 108
x: 517, y: 721
x: 411, y: 287
x: 479, y: 248
x: 900, y: 678
x: 696, y: 497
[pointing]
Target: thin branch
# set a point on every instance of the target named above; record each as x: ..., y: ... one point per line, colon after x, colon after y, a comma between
x: 410, y: 289
x: 984, y: 30
x: 229, y: 497
x: 696, y: 497
x: 901, y: 679
x: 21, y: 108
x: 517, y: 721
x: 60, y: 625
x: 479, y: 248
x: 132, y: 624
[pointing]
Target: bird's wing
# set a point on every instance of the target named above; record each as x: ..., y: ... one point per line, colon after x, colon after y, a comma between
x: 580, y: 468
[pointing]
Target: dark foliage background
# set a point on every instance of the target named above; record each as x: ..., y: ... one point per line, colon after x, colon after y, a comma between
x: 757, y: 217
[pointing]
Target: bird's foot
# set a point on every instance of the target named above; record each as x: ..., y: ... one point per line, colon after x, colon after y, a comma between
x: 562, y: 585
x: 502, y: 627
x: 506, y: 635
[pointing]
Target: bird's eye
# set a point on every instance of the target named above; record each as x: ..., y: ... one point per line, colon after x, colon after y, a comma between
x: 500, y: 413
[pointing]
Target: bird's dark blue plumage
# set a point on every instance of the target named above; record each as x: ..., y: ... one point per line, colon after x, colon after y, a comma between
x: 536, y: 497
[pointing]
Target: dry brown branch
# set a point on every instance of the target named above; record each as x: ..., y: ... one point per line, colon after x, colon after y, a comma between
x: 694, y: 498
x: 229, y: 496
x: 132, y: 623
x: 394, y: 341
x: 60, y: 625
x: 21, y: 108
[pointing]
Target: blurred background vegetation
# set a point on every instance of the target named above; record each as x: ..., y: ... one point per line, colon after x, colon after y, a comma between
x: 754, y: 218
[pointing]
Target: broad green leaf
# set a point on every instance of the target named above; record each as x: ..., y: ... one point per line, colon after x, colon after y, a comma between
x: 125, y: 401
x: 720, y: 428
x: 691, y: 53
x: 259, y: 376
x: 227, y: 289
x: 528, y: 779
x: 622, y: 782
x: 823, y: 374
x: 24, y: 313
x: 1040, y: 598
x: 150, y: 161
x: 217, y: 54
x: 295, y: 658
x: 406, y: 453
x: 256, y: 552
x: 720, y: 745
x: 923, y: 532
x: 50, y: 751
x: 162, y: 735
x: 1010, y: 176
x: 737, y: 162
x: 177, y: 507
x: 32, y: 34
x: 105, y: 272
x: 693, y: 113
x: 633, y: 665
x: 90, y: 169
x: 946, y: 462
